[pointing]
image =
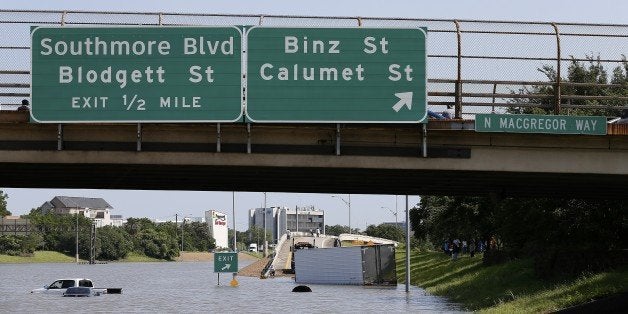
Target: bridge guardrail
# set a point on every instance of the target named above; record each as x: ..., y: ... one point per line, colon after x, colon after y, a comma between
x: 474, y: 66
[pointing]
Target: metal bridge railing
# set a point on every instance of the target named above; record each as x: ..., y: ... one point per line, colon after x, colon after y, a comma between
x: 474, y: 66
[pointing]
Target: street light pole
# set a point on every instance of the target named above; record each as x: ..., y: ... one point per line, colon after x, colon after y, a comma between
x: 348, y: 203
x: 77, y: 232
x: 394, y: 214
x: 265, y: 243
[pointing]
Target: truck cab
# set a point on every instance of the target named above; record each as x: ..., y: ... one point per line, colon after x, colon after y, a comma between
x: 59, y: 286
x: 253, y: 247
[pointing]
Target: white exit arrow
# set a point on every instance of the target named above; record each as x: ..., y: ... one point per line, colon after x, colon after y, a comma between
x: 405, y: 99
x: 227, y: 266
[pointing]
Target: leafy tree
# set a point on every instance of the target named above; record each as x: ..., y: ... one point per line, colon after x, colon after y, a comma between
x: 113, y: 243
x: 441, y: 218
x: 256, y: 235
x: 157, y: 244
x: 241, y: 238
x: 591, y: 71
x: 386, y: 231
x: 10, y: 245
x: 3, y: 204
x: 59, y: 232
x: 197, y: 237
x: 336, y: 230
x: 135, y: 225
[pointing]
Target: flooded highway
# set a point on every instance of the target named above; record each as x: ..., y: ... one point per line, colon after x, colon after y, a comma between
x: 191, y: 287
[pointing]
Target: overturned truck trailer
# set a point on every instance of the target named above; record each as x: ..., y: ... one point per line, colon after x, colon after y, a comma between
x: 355, y: 265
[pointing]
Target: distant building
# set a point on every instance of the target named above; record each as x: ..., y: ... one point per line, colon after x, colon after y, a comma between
x: 117, y: 220
x: 218, y: 227
x: 96, y: 209
x: 280, y: 219
x: 257, y: 216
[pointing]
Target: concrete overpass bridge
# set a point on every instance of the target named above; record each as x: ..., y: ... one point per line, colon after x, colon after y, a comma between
x: 466, y: 72
x: 377, y: 159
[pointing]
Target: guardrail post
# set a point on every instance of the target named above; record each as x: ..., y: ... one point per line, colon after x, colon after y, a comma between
x: 218, y: 137
x: 458, y: 88
x: 60, y: 136
x: 63, y: 17
x: 338, y: 139
x: 139, y: 137
x: 558, y: 79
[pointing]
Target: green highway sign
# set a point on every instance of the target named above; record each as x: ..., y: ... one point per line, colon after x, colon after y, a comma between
x: 136, y: 74
x: 550, y: 124
x: 369, y: 75
x: 225, y: 262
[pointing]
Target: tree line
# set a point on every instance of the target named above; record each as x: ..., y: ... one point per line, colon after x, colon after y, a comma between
x: 58, y: 233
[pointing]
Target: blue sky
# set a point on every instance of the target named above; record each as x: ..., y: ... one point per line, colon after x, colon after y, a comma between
x: 366, y: 209
x: 600, y: 11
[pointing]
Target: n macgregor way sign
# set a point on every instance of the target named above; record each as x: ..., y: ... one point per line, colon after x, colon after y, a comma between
x: 196, y: 74
x: 142, y: 74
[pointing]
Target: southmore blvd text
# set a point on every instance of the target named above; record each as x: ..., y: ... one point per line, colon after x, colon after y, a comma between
x: 89, y: 46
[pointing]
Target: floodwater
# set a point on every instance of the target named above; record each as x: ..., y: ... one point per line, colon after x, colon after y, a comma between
x: 191, y: 287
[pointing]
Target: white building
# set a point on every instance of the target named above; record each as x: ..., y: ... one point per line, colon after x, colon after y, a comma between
x: 95, y: 208
x: 279, y: 220
x: 218, y: 227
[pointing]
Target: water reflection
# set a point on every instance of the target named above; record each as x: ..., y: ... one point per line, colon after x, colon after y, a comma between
x: 192, y: 288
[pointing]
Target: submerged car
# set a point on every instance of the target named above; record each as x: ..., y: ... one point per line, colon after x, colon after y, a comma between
x: 60, y: 286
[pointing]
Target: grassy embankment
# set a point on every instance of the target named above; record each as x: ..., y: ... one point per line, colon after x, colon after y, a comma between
x: 507, y: 288
x: 132, y: 257
x: 38, y: 257
x: 56, y: 257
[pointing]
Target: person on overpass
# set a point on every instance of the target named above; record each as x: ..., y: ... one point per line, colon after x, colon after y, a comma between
x: 24, y: 106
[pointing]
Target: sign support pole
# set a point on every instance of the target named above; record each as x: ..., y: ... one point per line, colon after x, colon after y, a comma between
x: 407, y: 247
x: 424, y: 141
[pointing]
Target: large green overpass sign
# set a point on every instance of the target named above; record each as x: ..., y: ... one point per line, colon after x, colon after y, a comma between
x: 136, y: 74
x: 371, y: 75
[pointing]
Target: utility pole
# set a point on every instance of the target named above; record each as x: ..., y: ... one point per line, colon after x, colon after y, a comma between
x: 182, y: 225
x: 235, y: 248
x: 176, y: 226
